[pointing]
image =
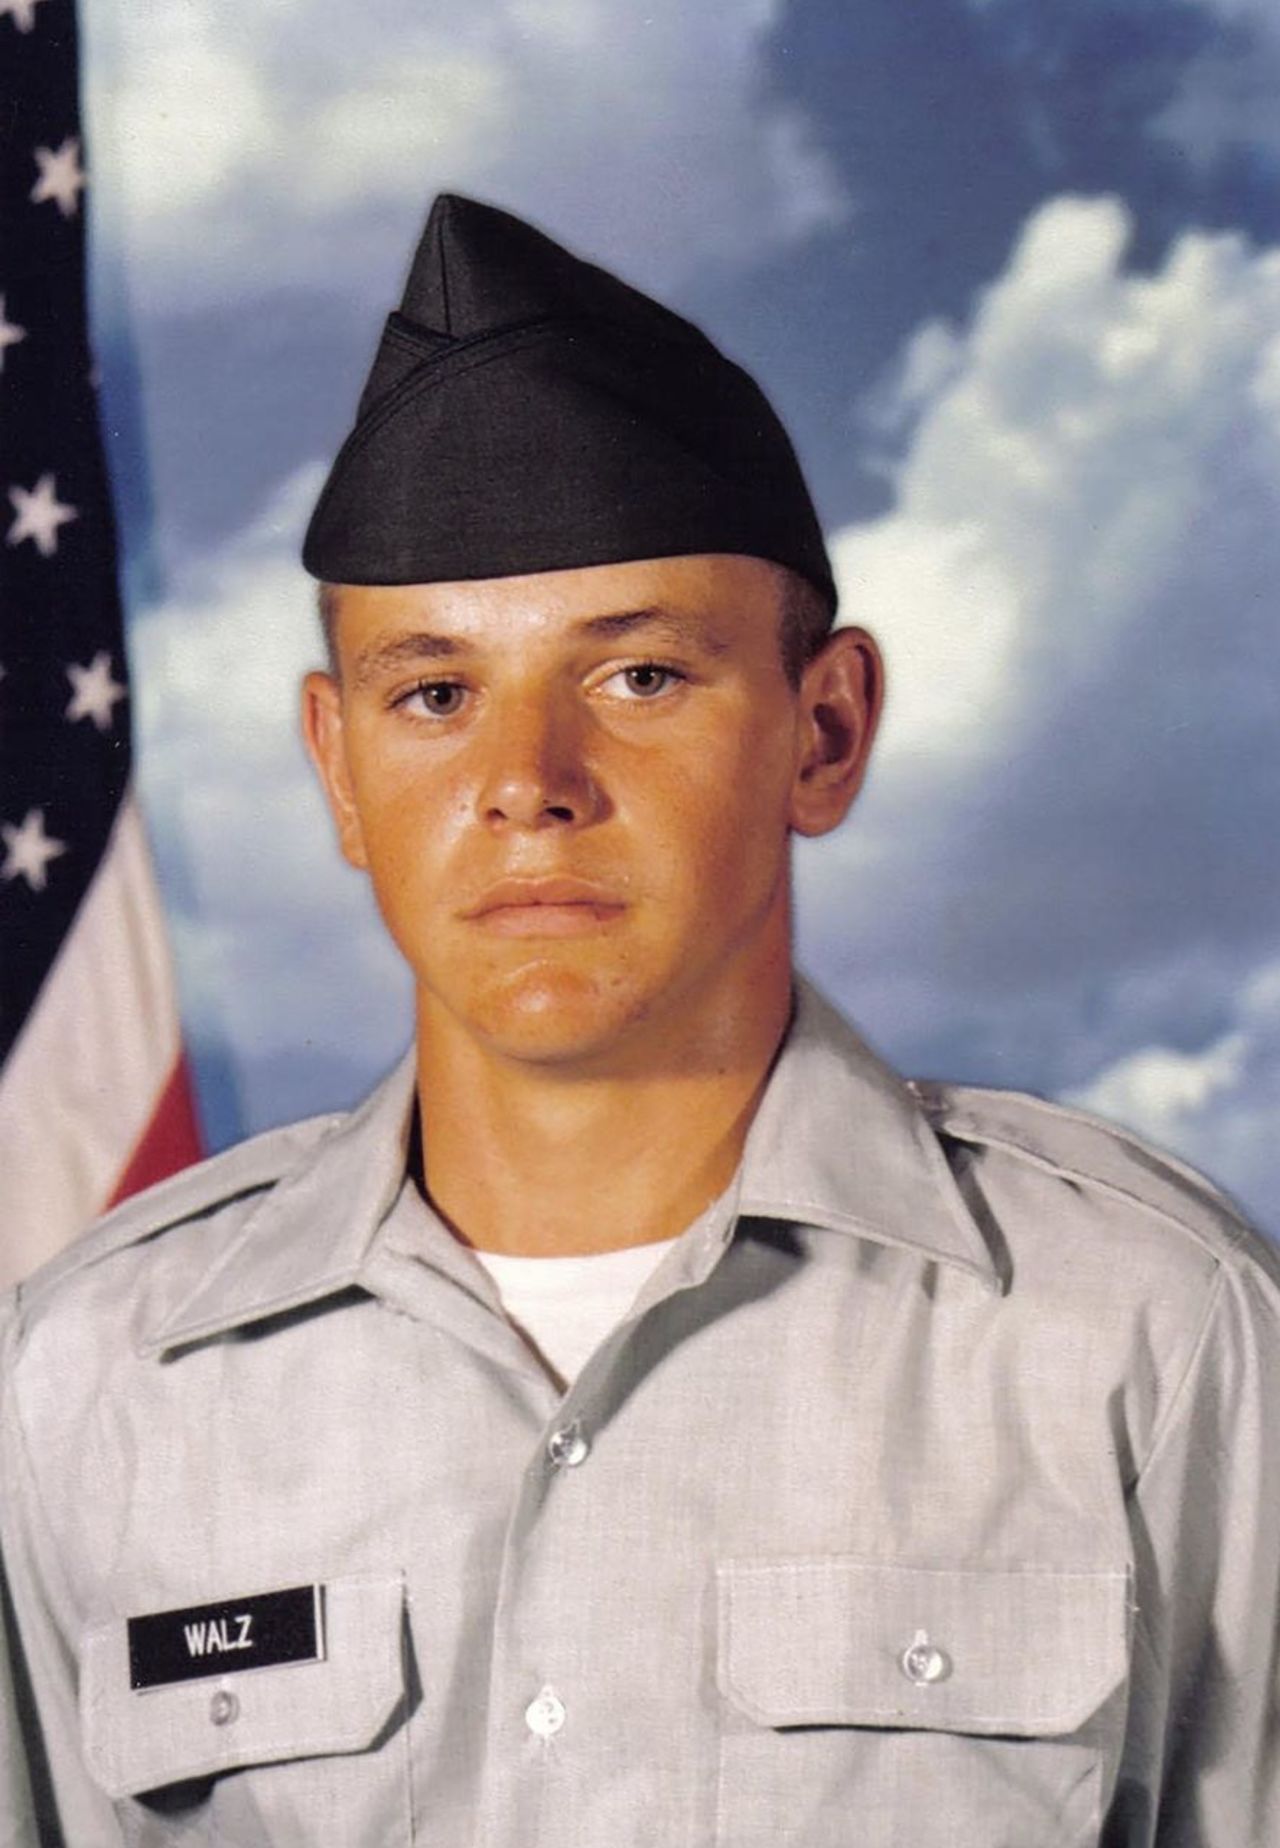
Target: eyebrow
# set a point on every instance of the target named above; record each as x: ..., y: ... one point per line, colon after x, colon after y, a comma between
x: 688, y: 629
x: 424, y: 645
x: 383, y: 657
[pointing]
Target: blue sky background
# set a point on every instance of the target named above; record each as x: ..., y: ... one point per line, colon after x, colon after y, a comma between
x: 1010, y: 270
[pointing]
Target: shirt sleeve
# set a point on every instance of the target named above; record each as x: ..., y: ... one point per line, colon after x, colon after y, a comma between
x: 49, y: 1800
x: 1202, y: 1767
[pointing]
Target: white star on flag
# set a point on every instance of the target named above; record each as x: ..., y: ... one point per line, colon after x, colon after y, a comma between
x: 40, y: 514
x: 10, y: 332
x: 30, y: 850
x: 22, y: 12
x: 94, y: 692
x: 61, y: 176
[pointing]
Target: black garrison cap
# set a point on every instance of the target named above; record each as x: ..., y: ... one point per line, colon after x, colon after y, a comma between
x: 527, y: 411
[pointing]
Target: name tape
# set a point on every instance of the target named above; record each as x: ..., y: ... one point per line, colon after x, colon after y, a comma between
x: 264, y: 1631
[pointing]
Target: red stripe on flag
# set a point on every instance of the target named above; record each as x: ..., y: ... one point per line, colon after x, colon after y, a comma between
x: 170, y: 1141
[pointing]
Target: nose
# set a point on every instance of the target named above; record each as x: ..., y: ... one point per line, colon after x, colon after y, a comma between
x: 536, y: 774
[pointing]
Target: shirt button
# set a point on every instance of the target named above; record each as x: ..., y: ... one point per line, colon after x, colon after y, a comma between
x: 224, y: 1707
x: 545, y: 1714
x: 568, y: 1446
x: 922, y: 1662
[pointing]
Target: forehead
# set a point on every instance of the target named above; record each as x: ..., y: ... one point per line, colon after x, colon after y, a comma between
x: 720, y: 597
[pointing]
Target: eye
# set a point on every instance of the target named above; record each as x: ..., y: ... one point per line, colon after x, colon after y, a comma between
x: 645, y: 680
x: 439, y: 699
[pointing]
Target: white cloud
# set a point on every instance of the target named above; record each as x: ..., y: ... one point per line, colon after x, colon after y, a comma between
x: 1216, y: 1106
x: 413, y: 115
x: 1061, y: 873
x: 1157, y: 1090
x: 1226, y: 98
x: 207, y: 122
x: 1060, y: 453
x: 273, y: 137
x: 277, y: 943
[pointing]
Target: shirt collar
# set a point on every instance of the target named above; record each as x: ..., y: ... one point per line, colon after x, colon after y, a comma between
x: 839, y: 1141
x: 309, y: 1236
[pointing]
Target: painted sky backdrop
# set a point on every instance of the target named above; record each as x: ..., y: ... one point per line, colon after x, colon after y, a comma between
x: 1010, y: 269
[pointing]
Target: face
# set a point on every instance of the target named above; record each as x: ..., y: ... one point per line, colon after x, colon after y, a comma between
x: 574, y: 791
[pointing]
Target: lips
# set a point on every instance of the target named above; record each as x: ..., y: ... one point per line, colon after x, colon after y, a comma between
x: 555, y: 907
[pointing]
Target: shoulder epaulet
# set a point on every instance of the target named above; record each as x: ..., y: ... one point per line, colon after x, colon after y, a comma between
x: 1090, y: 1151
x: 247, y: 1168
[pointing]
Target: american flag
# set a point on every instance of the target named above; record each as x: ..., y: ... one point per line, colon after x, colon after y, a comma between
x: 94, y: 1095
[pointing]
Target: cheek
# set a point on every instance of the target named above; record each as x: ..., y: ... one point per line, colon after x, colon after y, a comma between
x: 410, y: 825
x: 722, y: 826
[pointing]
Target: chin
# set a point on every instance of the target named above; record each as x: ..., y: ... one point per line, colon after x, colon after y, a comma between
x: 547, y: 1013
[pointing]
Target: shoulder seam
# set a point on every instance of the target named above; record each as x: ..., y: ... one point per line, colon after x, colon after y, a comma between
x: 952, y: 1119
x: 1116, y: 1131
x: 183, y: 1197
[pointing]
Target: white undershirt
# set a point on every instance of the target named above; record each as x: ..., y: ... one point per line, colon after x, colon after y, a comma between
x: 565, y: 1307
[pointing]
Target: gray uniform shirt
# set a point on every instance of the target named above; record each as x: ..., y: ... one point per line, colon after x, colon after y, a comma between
x: 929, y: 1495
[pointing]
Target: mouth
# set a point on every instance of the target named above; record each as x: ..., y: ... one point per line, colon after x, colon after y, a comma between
x: 544, y: 908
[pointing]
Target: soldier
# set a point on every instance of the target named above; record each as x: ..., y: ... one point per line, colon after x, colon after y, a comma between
x: 647, y: 1419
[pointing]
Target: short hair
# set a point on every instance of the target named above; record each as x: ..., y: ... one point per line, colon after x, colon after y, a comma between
x: 327, y: 609
x: 804, y: 622
x: 805, y: 617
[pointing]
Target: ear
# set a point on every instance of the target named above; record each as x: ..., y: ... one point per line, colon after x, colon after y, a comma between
x: 840, y: 696
x: 325, y: 739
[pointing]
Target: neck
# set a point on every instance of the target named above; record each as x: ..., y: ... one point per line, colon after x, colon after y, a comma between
x: 543, y: 1162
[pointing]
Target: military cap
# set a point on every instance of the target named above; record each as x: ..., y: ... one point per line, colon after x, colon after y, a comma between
x: 527, y: 411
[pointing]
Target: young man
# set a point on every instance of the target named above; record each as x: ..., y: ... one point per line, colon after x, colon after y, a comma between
x: 647, y: 1420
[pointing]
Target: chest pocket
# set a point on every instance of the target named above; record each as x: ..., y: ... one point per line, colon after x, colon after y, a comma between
x: 952, y: 1708
x: 291, y: 1754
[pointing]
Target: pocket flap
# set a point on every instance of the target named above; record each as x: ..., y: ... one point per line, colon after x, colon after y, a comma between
x: 836, y: 1641
x: 141, y: 1740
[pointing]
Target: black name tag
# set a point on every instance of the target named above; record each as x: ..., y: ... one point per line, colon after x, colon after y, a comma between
x: 214, y: 1639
